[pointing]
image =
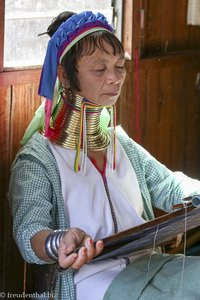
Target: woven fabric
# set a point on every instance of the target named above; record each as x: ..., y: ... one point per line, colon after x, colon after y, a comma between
x: 37, y: 202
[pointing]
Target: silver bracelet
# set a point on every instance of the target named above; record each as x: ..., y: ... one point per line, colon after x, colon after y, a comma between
x: 52, y: 243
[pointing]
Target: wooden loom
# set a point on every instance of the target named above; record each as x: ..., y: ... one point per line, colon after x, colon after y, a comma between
x: 152, y: 233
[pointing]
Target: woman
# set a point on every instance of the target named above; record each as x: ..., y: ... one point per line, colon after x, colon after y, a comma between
x: 77, y: 181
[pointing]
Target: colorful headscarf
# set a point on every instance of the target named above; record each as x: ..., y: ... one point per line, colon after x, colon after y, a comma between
x: 70, y: 32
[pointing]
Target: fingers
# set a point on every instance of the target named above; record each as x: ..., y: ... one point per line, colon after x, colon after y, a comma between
x: 85, y: 254
x: 99, y: 247
x: 74, y: 260
x: 81, y: 258
x: 66, y: 261
x: 92, y: 249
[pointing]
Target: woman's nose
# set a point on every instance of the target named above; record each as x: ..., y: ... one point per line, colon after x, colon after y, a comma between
x: 113, y: 77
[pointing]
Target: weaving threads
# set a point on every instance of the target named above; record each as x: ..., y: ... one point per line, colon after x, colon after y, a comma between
x: 149, y: 262
x: 151, y: 253
x: 184, y: 252
x: 184, y: 255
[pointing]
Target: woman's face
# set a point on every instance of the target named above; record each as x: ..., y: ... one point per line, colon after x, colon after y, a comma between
x: 101, y: 76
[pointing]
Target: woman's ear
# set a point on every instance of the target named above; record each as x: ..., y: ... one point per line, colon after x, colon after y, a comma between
x: 62, y: 76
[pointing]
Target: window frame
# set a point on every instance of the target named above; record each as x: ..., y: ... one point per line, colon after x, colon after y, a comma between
x: 36, y: 65
x: 12, y: 76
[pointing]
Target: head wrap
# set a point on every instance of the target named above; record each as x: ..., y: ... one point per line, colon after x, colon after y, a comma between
x: 70, y: 32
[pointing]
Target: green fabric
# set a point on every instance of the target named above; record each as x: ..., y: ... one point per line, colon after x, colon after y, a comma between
x: 38, y: 121
x: 36, y: 124
x: 163, y: 281
x: 104, y: 119
x: 37, y: 202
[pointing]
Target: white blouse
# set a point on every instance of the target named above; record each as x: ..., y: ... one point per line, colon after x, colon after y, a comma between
x: 87, y: 207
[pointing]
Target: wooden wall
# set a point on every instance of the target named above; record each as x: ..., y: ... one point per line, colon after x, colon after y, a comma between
x: 164, y: 119
x: 168, y: 112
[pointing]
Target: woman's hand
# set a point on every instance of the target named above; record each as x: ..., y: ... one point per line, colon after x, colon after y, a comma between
x: 77, y: 238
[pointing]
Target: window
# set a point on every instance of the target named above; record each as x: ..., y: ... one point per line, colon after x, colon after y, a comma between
x: 25, y: 19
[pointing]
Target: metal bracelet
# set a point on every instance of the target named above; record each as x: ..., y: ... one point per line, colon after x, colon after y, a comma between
x: 52, y: 243
x: 59, y: 238
x: 49, y: 250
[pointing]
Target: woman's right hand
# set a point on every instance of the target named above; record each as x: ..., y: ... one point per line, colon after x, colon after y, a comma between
x: 77, y: 238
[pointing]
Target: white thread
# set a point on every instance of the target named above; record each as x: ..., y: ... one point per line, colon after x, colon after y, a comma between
x: 184, y: 255
x: 149, y: 262
x: 184, y: 252
x: 151, y: 253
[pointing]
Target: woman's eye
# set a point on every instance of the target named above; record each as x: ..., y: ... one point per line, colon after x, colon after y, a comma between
x: 120, y: 67
x: 100, y: 70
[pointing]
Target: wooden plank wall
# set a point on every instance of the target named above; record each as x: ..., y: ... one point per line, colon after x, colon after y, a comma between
x: 168, y: 111
x: 165, y: 28
x: 169, y: 100
x: 171, y: 115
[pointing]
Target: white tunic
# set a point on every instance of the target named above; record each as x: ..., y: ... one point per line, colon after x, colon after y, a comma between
x: 87, y: 207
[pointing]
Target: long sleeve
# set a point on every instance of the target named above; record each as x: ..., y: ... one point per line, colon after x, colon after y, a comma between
x: 35, y: 195
x: 30, y: 196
